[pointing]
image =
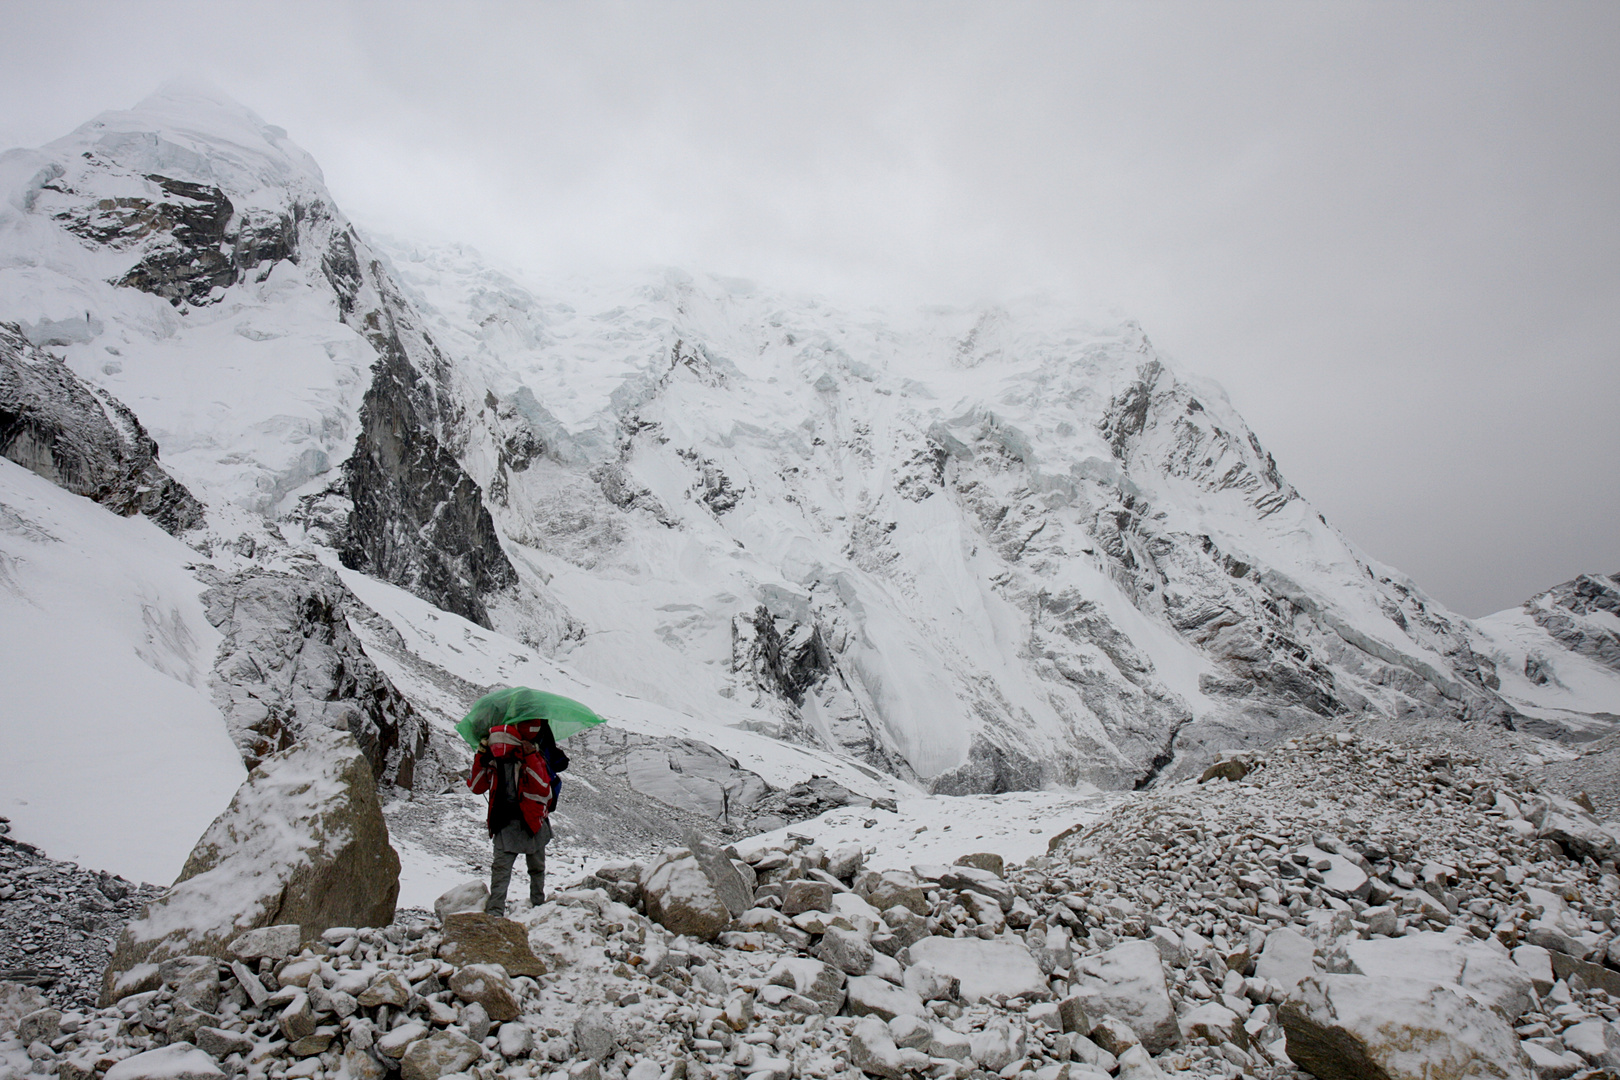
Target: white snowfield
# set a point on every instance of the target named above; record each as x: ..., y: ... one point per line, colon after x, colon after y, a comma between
x: 1008, y: 548
x: 112, y: 753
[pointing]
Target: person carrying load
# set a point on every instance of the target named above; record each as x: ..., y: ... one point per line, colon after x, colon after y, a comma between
x: 518, y: 762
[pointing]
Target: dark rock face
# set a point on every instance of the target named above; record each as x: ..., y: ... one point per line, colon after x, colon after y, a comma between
x: 992, y: 769
x: 83, y: 439
x: 197, y: 258
x: 290, y: 663
x: 1562, y: 611
x: 419, y: 521
x: 788, y: 659
x: 194, y: 240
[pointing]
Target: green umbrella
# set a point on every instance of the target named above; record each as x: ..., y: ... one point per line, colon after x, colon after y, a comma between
x: 517, y: 704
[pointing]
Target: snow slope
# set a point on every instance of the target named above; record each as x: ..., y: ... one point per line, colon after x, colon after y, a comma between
x: 112, y: 753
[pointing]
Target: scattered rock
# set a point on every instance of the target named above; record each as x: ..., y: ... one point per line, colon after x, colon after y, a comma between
x: 476, y: 938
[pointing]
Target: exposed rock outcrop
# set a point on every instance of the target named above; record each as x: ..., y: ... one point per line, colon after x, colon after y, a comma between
x: 290, y: 664
x: 83, y: 439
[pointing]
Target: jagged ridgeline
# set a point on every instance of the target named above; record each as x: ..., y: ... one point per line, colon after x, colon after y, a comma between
x: 978, y: 550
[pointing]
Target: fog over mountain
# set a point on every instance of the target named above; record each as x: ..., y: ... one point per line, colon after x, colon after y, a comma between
x: 1388, y: 231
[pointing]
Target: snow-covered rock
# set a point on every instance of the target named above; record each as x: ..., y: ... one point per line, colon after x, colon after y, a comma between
x: 1127, y: 982
x: 1351, y: 1025
x: 681, y: 897
x: 985, y: 969
x: 302, y: 842
x: 177, y: 1061
x: 1488, y: 974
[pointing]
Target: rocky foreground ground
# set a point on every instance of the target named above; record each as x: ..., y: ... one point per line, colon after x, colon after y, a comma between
x: 1338, y: 906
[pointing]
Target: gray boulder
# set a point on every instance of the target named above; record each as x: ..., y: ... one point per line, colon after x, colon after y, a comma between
x: 1351, y: 1027
x: 985, y: 969
x: 468, y: 896
x: 268, y: 942
x: 303, y: 841
x: 872, y: 996
x: 177, y: 1061
x: 1455, y: 959
x: 845, y: 950
x: 681, y: 897
x: 1127, y: 982
x: 440, y: 1054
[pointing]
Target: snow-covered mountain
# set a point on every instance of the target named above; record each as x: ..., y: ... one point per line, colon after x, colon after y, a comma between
x: 967, y: 550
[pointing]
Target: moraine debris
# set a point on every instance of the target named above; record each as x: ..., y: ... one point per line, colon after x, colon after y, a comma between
x: 1350, y: 907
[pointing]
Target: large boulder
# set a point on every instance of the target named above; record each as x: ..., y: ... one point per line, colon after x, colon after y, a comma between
x: 811, y: 979
x: 303, y: 842
x: 1361, y: 1027
x: 1454, y: 959
x: 1572, y: 827
x: 987, y: 968
x: 177, y: 1061
x: 1127, y: 982
x: 1288, y: 957
x: 872, y: 996
x: 681, y: 898
x: 729, y: 885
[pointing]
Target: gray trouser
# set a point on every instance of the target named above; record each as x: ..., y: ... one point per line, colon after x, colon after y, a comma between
x: 500, y: 877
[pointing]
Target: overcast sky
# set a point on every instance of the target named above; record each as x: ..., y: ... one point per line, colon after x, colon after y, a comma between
x: 1391, y: 231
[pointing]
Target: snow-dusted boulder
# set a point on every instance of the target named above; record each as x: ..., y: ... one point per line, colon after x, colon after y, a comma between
x: 986, y: 968
x: 487, y: 985
x: 1488, y: 974
x: 1348, y: 1027
x: 998, y: 1045
x: 870, y: 995
x: 468, y: 896
x: 681, y: 898
x: 441, y: 1054
x: 1598, y: 1041
x: 1536, y: 963
x: 1127, y: 982
x: 1288, y: 957
x: 1216, y: 1023
x: 177, y: 1061
x: 303, y: 842
x: 896, y: 887
x: 268, y: 942
x: 821, y: 984
x: 1572, y: 827
x: 845, y: 950
x: 16, y: 1002
x: 872, y: 1049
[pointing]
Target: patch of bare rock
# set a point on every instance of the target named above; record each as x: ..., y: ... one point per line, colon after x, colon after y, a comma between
x: 1338, y: 907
